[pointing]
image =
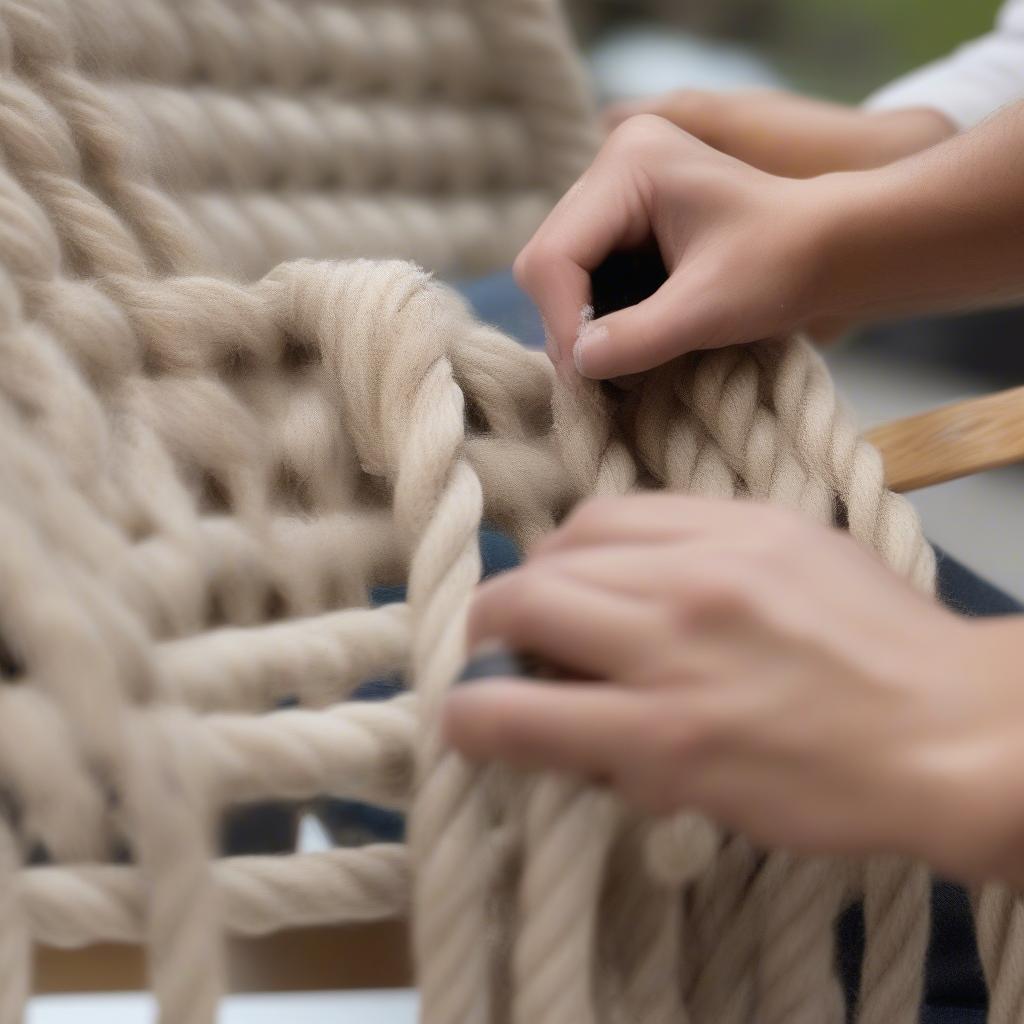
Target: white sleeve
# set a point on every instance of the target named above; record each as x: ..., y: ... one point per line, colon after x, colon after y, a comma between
x: 972, y: 82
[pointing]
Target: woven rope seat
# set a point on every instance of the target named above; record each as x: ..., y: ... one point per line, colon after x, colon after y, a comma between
x: 219, y: 432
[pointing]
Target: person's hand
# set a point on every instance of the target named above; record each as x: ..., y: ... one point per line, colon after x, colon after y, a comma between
x: 740, y: 660
x: 742, y: 248
x: 751, y: 255
x: 795, y: 136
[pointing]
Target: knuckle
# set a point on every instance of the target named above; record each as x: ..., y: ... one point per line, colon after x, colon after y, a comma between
x: 695, y: 105
x: 521, y: 264
x: 481, y: 732
x: 520, y: 604
x: 639, y: 135
x: 590, y: 516
x: 474, y: 729
x: 504, y: 607
x: 527, y: 266
x: 720, y: 597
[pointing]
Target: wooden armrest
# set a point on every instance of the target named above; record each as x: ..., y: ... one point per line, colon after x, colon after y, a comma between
x: 953, y: 441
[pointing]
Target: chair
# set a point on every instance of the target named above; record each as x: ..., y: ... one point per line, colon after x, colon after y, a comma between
x: 202, y: 473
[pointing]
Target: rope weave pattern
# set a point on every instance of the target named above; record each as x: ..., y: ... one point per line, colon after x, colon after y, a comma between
x: 209, y: 457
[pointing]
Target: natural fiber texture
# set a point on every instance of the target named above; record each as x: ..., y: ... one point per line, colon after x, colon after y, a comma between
x: 202, y: 475
x: 196, y: 136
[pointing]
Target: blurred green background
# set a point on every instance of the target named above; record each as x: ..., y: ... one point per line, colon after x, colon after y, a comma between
x: 836, y: 48
x: 847, y: 48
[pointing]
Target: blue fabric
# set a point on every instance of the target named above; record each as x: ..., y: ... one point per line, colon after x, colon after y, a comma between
x: 969, y: 594
x: 350, y: 821
x: 498, y: 300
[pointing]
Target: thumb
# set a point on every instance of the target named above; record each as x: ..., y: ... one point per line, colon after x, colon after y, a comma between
x: 669, y: 323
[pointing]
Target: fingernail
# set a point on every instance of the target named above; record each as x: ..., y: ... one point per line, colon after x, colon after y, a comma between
x: 591, y: 336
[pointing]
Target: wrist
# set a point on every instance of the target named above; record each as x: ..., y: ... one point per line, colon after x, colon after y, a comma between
x: 861, y: 236
x: 996, y: 784
x: 937, y: 232
x: 975, y: 765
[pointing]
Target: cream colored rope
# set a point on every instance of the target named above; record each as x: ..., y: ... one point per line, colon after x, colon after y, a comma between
x: 210, y: 458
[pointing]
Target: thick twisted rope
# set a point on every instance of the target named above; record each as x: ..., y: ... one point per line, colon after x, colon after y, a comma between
x: 750, y: 934
x: 203, y: 482
x: 73, y: 907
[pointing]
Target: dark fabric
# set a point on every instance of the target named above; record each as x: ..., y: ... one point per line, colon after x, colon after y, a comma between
x: 955, y: 987
x: 259, y: 828
x: 350, y: 822
x: 952, y: 1015
x: 968, y: 594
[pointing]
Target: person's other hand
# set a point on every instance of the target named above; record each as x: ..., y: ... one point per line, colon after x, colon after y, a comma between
x: 740, y: 660
x: 791, y: 135
x: 743, y: 250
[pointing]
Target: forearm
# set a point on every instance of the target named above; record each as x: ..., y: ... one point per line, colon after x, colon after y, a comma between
x: 795, y: 136
x: 977, y: 762
x: 937, y: 232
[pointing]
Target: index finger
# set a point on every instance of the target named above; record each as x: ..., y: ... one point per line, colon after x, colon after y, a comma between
x: 584, y: 729
x: 656, y: 518
x: 603, y: 211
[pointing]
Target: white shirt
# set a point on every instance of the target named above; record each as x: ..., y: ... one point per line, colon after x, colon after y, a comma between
x: 971, y: 83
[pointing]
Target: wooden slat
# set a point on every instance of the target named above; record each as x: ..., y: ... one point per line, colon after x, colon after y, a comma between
x: 953, y: 441
x: 304, y: 960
